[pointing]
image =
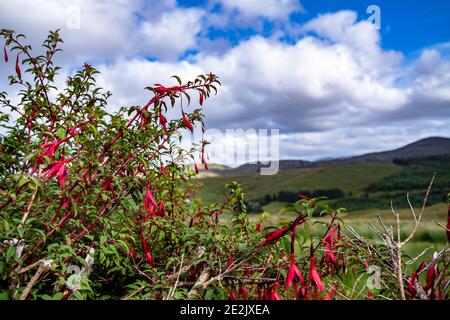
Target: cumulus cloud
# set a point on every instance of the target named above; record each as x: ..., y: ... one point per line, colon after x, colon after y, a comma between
x: 325, y: 87
x: 272, y: 9
x: 106, y: 29
x: 333, y: 91
x: 172, y: 34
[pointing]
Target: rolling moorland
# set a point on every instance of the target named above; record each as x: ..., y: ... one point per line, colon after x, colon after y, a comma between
x: 365, y: 185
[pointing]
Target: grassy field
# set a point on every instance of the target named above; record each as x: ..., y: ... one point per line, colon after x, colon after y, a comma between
x: 350, y: 178
x: 428, y: 237
x: 371, y: 184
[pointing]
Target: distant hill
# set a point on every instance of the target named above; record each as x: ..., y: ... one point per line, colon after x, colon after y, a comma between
x: 255, y: 168
x: 433, y: 146
x: 369, y: 181
x: 214, y: 170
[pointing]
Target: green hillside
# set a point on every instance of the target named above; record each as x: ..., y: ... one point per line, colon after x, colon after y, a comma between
x: 350, y: 178
x: 358, y: 186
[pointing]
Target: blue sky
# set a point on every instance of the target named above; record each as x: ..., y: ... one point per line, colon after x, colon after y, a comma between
x: 406, y: 25
x: 318, y: 71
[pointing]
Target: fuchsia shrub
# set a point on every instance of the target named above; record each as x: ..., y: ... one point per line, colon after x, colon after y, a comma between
x: 110, y: 193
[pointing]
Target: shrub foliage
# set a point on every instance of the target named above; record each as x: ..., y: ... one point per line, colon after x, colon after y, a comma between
x: 100, y: 205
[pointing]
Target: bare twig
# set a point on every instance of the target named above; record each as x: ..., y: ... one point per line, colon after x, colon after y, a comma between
x: 28, y: 209
x: 172, y: 292
x: 44, y: 267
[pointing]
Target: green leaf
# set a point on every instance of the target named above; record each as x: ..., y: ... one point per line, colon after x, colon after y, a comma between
x: 10, y: 252
x: 22, y: 181
x: 178, y: 79
x: 61, y: 132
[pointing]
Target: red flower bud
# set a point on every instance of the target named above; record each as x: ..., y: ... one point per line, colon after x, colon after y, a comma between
x: 431, y: 276
x: 230, y: 261
x: 149, y: 200
x: 132, y: 253
x: 5, y: 54
x: 107, y: 185
x: 275, y: 235
x: 187, y: 123
x: 243, y: 291
x: 201, y: 98
x: 231, y: 293
x: 150, y: 259
x: 19, y: 73
x: 162, y: 208
x: 196, y: 168
x: 163, y: 121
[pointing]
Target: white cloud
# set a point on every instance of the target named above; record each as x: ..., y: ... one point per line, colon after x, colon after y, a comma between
x: 172, y: 34
x: 107, y: 29
x: 318, y: 90
x: 273, y: 9
x: 335, y: 91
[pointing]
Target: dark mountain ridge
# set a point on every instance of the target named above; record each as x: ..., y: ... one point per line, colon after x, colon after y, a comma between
x: 432, y: 146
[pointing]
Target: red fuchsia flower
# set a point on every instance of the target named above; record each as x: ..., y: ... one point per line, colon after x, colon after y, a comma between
x: 107, y: 185
x: 149, y: 201
x: 297, y: 221
x: 258, y: 227
x: 329, y: 238
x: 150, y: 259
x: 150, y: 214
x: 294, y: 275
x: 201, y: 98
x: 162, y: 208
x: 143, y: 118
x: 314, y: 275
x: 19, y: 73
x: 274, y: 295
x: 412, y: 280
x: 159, y: 88
x: 196, y: 168
x: 132, y: 253
x: 203, y: 158
x: 163, y: 121
x: 231, y: 294
x: 328, y: 241
x: 5, y: 54
x: 51, y: 148
x: 148, y: 256
x: 187, y: 123
x: 275, y: 235
x: 266, y: 294
x: 330, y: 294
x: 431, y: 276
x: 243, y: 291
x: 230, y: 261
x: 59, y: 170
